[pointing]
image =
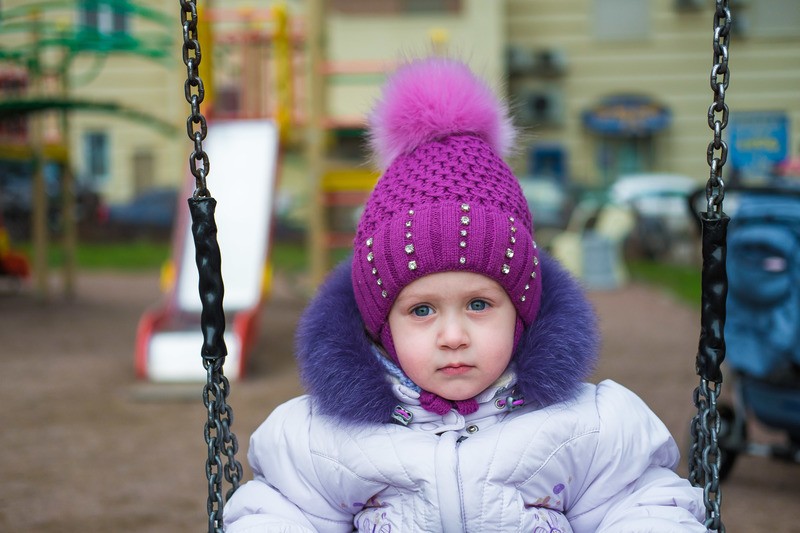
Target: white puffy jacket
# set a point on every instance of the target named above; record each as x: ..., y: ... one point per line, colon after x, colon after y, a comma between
x: 603, y: 460
x: 575, y: 457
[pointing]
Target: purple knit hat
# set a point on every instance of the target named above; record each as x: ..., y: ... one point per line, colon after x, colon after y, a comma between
x: 446, y: 200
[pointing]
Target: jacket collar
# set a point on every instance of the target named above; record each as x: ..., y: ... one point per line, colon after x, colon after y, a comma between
x: 498, y: 399
x: 556, y: 353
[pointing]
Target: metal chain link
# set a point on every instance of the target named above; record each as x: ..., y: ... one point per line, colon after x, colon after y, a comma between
x: 220, y: 441
x: 194, y: 92
x: 218, y: 435
x: 717, y: 153
x: 704, y: 456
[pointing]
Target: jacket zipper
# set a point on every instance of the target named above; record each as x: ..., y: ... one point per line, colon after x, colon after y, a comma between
x: 448, y: 482
x: 458, y: 483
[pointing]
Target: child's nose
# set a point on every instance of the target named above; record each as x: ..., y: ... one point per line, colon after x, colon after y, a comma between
x: 453, y: 333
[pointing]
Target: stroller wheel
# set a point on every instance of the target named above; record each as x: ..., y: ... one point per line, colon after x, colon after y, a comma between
x: 732, y: 438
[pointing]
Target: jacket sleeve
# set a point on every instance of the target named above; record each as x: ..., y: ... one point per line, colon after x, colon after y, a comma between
x: 287, y: 493
x: 257, y: 507
x: 631, y: 485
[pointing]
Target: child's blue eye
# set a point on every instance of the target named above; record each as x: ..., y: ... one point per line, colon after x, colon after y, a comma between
x: 477, y: 305
x: 422, y: 310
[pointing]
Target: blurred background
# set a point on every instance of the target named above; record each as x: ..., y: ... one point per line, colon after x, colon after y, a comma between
x: 611, y: 98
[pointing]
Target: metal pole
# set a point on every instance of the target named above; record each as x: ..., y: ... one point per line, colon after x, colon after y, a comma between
x: 316, y: 141
x: 283, y: 71
x: 68, y: 203
x: 39, y: 214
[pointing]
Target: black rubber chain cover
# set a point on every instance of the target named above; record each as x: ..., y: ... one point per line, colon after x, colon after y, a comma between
x: 711, y: 350
x: 209, y: 262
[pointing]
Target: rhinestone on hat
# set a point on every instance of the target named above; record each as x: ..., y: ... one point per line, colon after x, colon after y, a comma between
x: 409, y: 248
x: 509, y: 254
x: 464, y: 220
x: 370, y: 258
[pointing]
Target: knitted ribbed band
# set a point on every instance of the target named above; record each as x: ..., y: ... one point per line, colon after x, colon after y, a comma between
x: 450, y: 205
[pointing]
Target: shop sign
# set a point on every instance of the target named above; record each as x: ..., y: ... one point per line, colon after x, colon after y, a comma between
x: 627, y: 115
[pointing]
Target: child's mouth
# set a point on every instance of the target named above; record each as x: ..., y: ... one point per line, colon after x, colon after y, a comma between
x: 455, y: 370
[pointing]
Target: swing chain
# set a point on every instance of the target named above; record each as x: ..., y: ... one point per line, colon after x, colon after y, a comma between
x: 717, y: 153
x: 705, y: 455
x: 219, y: 437
x: 194, y: 92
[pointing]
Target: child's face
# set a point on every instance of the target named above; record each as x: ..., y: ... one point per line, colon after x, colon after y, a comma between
x: 453, y: 332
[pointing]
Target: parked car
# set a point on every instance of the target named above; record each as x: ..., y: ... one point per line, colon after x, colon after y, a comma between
x: 660, y: 203
x: 16, y: 198
x: 150, y: 214
x: 550, y: 203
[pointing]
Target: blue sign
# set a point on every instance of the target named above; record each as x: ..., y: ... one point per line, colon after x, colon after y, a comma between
x: 758, y: 140
x: 627, y: 115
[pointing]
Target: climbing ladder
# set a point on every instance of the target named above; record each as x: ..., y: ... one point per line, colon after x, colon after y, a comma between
x: 340, y: 180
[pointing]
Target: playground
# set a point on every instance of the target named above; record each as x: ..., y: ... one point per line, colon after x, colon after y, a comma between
x: 89, y: 447
x: 98, y: 434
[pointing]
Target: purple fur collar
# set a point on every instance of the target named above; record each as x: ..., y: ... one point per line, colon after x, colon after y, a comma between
x: 555, y: 355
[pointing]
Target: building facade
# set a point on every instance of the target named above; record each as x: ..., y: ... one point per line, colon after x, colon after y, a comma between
x: 620, y: 86
x: 600, y: 87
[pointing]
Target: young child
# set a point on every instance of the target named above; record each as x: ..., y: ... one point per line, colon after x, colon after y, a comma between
x: 445, y: 362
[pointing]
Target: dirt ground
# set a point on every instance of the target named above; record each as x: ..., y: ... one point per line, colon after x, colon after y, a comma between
x: 88, y: 448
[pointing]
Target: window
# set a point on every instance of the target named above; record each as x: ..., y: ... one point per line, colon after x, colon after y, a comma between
x: 770, y: 18
x: 144, y: 168
x: 13, y: 85
x: 96, y: 157
x: 625, y: 155
x: 103, y: 16
x: 621, y: 20
x: 386, y: 7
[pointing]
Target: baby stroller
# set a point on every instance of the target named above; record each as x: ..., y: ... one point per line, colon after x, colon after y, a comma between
x: 762, y: 330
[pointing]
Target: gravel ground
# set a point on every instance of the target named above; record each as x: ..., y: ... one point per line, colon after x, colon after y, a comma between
x: 88, y: 448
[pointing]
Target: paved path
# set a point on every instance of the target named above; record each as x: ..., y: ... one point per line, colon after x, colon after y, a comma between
x: 87, y: 448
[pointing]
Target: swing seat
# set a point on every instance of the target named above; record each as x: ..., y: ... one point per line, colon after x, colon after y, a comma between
x: 169, y: 337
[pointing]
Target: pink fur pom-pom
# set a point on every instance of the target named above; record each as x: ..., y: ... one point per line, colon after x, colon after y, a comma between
x: 432, y: 98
